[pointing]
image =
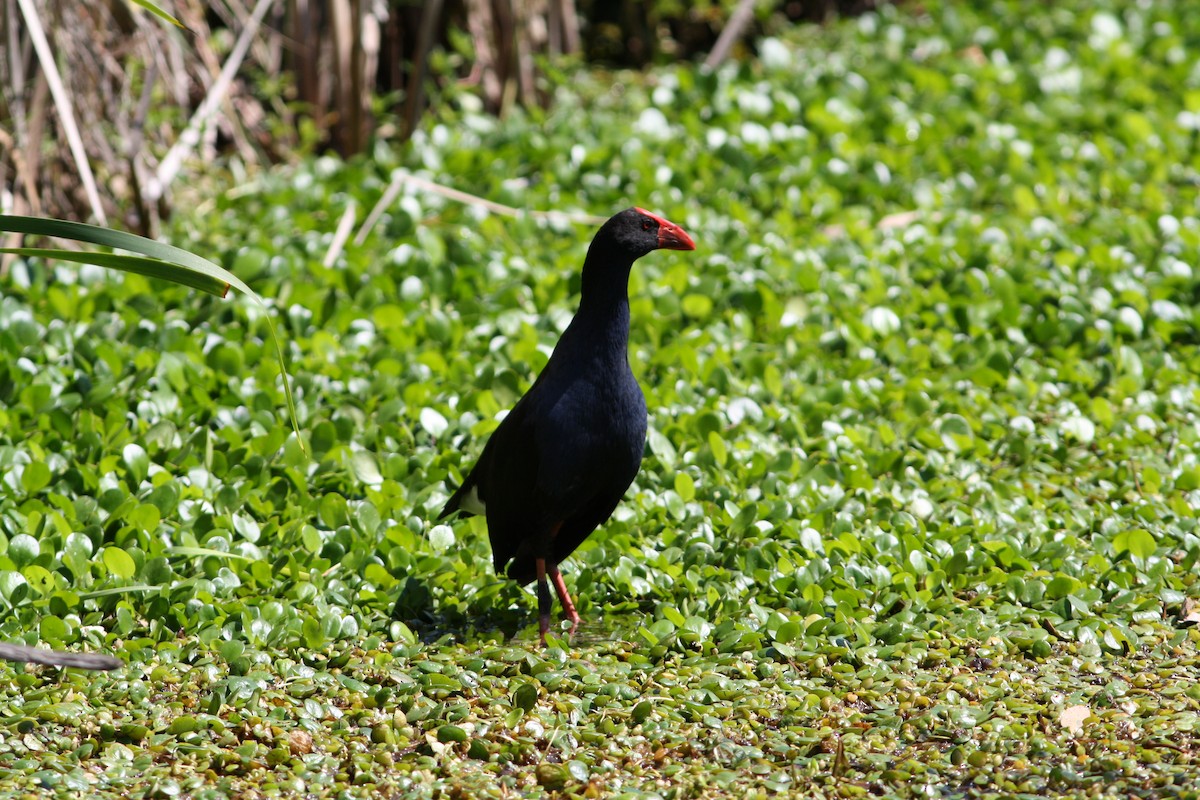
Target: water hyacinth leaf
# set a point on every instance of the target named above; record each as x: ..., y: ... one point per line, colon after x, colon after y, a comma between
x: 956, y: 433
x: 685, y: 487
x: 40, y: 580
x: 35, y: 477
x: 441, y: 537
x: 23, y: 549
x: 1061, y: 586
x: 366, y: 469
x: 525, y: 696
x: 232, y: 649
x: 144, y: 517
x: 433, y: 422
x: 697, y: 306
x: 677, y: 619
x: 13, y: 586
x: 661, y: 447
x: 788, y: 632
x: 1080, y: 428
x: 247, y: 527
x: 53, y: 629
x: 136, y: 461
x: 119, y: 563
x: 1138, y: 542
x: 717, y: 445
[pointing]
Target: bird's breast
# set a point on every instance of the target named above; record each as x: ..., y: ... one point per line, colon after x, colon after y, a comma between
x: 596, y: 419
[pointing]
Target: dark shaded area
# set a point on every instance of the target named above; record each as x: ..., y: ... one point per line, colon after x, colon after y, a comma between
x: 319, y: 76
x: 416, y: 609
x: 635, y: 34
x: 498, y: 52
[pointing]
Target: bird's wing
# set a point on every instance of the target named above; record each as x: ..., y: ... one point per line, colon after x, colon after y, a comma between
x: 472, y: 496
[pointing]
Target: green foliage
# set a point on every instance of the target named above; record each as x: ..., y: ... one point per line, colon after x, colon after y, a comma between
x: 915, y: 486
x: 157, y: 11
x: 163, y: 261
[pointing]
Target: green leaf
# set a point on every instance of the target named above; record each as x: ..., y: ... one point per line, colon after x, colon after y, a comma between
x: 366, y: 470
x: 956, y: 433
x: 136, y: 461
x: 23, y: 549
x: 1138, y: 542
x: 697, y: 306
x: 134, y: 589
x: 788, y: 632
x: 673, y: 616
x: 1062, y: 586
x: 13, y: 586
x: 52, y: 629
x: 179, y: 260
x: 119, y: 563
x: 153, y: 9
x: 685, y: 487
x: 39, y: 579
x: 451, y: 733
x: 35, y: 477
x: 525, y: 696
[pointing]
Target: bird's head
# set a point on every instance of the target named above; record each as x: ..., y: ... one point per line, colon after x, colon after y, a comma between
x: 637, y: 232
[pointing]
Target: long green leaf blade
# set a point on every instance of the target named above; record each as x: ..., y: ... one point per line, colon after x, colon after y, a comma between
x: 184, y: 550
x: 153, y: 9
x: 141, y: 587
x: 94, y: 234
x: 150, y: 267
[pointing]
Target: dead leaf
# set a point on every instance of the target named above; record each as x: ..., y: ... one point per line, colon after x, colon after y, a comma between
x: 300, y: 743
x: 975, y: 55
x: 1072, y: 718
x: 898, y: 220
x: 1191, y: 610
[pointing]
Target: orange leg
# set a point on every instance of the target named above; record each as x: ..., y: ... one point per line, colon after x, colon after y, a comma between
x: 564, y: 597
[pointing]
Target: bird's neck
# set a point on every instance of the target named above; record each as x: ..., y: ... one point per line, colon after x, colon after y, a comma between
x: 605, y: 281
x: 604, y: 301
x: 606, y: 322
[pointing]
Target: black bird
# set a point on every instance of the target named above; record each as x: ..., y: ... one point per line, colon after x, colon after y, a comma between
x: 559, y: 463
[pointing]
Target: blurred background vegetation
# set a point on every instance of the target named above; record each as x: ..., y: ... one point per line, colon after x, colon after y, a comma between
x: 103, y: 102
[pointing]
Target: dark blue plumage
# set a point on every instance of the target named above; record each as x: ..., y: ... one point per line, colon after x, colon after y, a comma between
x: 559, y: 463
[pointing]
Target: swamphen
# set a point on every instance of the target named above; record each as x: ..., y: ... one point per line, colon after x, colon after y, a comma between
x: 558, y: 464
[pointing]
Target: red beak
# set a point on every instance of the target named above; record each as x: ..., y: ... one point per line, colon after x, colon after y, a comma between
x: 670, y: 235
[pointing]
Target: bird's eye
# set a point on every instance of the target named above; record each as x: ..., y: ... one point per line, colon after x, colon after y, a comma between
x: 646, y: 224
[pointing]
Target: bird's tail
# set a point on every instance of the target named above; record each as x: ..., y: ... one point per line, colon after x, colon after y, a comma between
x: 464, y: 499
